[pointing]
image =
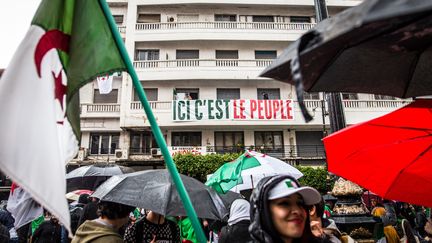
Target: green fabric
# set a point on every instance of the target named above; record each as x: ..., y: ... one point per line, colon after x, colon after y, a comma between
x: 35, y: 223
x: 187, y: 232
x: 229, y: 174
x: 92, y: 49
x: 137, y: 213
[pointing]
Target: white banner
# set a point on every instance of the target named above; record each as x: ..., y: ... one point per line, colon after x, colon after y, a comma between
x: 196, y: 110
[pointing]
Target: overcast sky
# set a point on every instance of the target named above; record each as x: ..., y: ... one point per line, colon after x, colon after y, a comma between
x: 15, y: 19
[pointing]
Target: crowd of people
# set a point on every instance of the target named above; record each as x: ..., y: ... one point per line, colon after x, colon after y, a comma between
x: 278, y: 210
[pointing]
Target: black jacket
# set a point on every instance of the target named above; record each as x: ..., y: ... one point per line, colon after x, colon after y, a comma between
x: 235, y: 233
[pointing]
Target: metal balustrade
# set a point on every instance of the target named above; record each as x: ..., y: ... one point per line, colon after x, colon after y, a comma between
x: 225, y: 26
x: 282, y: 152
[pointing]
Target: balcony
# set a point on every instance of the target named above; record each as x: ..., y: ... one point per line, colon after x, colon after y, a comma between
x: 202, y: 69
x: 355, y: 111
x: 260, y: 31
x: 224, y: 25
x: 100, y: 110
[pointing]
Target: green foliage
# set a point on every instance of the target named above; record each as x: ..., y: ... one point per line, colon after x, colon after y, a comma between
x: 316, y: 178
x: 199, y: 166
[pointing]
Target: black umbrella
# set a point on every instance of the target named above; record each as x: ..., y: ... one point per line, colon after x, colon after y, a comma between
x: 379, y: 47
x: 90, y: 177
x: 154, y: 190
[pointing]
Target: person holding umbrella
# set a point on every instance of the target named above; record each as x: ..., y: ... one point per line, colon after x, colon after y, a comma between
x: 279, y: 211
x: 105, y: 228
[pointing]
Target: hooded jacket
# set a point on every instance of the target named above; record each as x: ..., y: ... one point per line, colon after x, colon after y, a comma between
x: 91, y: 231
x: 238, y: 223
x: 262, y: 229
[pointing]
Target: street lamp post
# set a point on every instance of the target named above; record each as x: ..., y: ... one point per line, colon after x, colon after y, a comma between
x: 335, y: 107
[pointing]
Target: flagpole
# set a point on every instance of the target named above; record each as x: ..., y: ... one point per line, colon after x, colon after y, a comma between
x: 155, y: 128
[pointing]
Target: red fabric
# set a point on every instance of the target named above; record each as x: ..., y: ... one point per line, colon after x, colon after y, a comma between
x: 390, y: 155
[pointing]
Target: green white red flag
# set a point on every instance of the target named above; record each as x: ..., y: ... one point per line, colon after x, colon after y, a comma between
x: 69, y: 43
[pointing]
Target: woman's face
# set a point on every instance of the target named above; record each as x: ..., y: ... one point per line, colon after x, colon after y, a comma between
x: 289, y: 216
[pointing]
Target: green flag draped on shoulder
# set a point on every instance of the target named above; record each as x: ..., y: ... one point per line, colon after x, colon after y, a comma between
x: 69, y: 43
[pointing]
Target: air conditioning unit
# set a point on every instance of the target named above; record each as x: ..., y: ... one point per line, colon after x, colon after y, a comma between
x: 82, y: 154
x: 156, y: 152
x: 121, y: 154
x: 170, y: 19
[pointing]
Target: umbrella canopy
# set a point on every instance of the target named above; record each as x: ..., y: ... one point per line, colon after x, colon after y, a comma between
x: 90, y: 177
x: 390, y: 155
x: 154, y: 190
x: 74, y: 196
x: 247, y: 170
x: 380, y: 47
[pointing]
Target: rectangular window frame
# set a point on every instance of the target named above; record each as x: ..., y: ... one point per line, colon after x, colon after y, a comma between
x: 101, y: 137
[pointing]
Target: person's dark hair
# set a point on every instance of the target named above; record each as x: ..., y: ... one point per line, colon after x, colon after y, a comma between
x: 319, y: 208
x: 262, y: 228
x: 113, y: 210
x: 83, y: 198
x: 407, y: 229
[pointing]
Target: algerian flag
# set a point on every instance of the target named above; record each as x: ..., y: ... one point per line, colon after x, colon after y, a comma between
x: 105, y: 83
x: 69, y: 43
x: 247, y: 170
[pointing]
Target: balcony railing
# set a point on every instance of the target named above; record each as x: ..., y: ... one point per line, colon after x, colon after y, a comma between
x: 225, y: 26
x: 122, y: 29
x: 349, y: 104
x: 97, y: 108
x: 202, y: 63
x: 282, y: 152
x: 155, y: 105
x: 368, y: 104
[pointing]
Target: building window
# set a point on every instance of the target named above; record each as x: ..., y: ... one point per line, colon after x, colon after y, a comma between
x: 269, y: 142
x: 152, y: 94
x: 187, y: 54
x: 186, y: 138
x: 186, y: 94
x: 146, y: 54
x: 225, y: 17
x: 142, y: 142
x: 227, y: 54
x: 268, y: 94
x: 308, y: 144
x: 265, y: 55
x: 384, y: 97
x: 349, y: 96
x: 228, y: 94
x: 229, y: 142
x: 229, y: 58
x: 311, y: 96
x: 118, y: 19
x: 110, y: 98
x: 148, y: 18
x: 104, y: 143
x: 262, y: 18
x: 187, y: 17
x: 300, y: 19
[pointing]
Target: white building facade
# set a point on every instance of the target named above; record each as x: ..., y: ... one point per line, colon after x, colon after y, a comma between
x: 199, y: 62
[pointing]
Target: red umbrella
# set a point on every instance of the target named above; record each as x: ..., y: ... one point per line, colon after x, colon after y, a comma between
x: 390, y: 155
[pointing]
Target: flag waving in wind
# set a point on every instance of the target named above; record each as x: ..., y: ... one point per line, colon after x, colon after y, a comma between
x: 69, y: 43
